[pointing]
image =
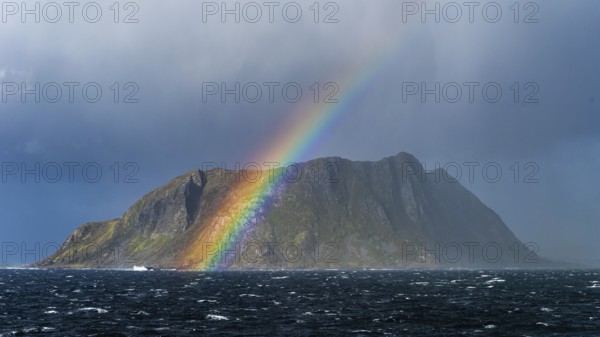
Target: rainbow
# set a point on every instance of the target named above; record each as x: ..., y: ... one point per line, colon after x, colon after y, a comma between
x: 296, y: 140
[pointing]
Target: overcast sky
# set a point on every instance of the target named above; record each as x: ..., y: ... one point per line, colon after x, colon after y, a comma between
x: 375, y: 52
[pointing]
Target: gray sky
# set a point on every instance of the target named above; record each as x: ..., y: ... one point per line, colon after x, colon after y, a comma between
x: 170, y: 52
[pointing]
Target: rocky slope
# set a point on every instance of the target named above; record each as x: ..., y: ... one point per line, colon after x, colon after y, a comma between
x: 335, y: 214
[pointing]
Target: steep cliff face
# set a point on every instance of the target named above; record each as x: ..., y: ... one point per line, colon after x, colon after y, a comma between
x: 329, y: 213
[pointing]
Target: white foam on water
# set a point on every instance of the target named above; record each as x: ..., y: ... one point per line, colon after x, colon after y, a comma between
x: 490, y: 326
x: 141, y: 313
x: 495, y: 280
x: 50, y: 312
x: 249, y: 295
x: 216, y: 317
x: 98, y: 310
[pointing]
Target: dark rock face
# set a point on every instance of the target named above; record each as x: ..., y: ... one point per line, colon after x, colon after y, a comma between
x: 335, y: 214
x: 171, y: 210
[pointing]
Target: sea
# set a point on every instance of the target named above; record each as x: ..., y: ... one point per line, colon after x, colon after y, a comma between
x: 300, y: 303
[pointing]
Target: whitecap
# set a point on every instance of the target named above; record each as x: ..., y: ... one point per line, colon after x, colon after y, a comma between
x: 494, y: 280
x: 216, y: 317
x: 141, y: 313
x: 249, y: 295
x: 546, y: 309
x: 490, y: 326
x: 209, y: 301
x: 50, y: 312
x: 98, y: 310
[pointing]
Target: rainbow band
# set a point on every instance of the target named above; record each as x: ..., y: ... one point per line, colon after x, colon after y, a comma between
x: 305, y: 130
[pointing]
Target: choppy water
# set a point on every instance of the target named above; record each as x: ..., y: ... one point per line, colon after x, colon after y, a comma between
x: 333, y: 303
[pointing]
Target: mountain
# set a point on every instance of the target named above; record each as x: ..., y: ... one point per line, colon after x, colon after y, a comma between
x: 327, y: 213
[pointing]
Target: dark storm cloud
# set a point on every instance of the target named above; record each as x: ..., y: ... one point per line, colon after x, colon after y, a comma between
x: 171, y: 52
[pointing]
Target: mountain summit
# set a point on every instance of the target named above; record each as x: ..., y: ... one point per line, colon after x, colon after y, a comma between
x: 322, y: 214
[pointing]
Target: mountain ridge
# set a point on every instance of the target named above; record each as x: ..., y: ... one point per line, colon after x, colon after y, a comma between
x: 333, y: 213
